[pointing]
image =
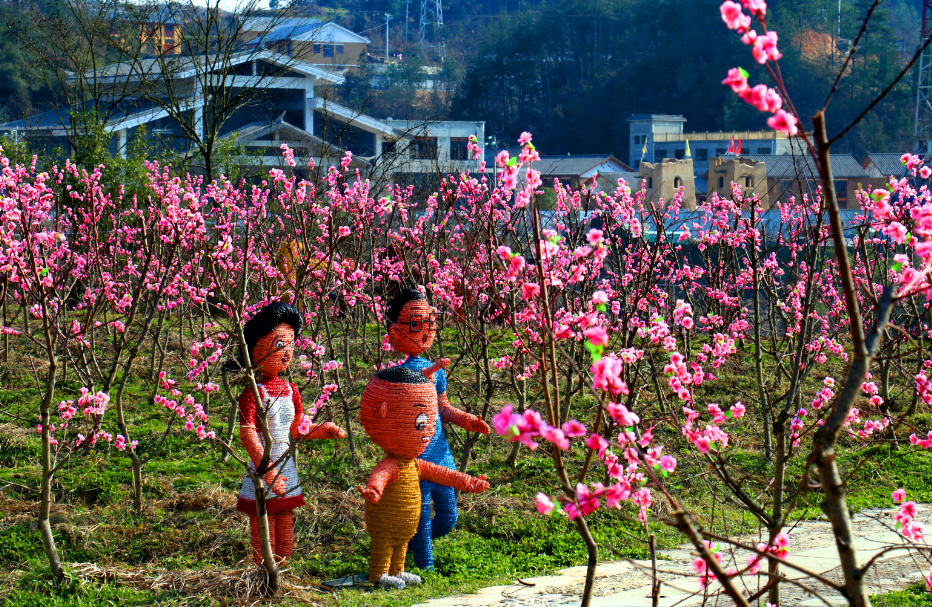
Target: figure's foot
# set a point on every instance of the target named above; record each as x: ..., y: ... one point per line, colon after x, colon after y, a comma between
x: 409, y: 578
x: 390, y: 581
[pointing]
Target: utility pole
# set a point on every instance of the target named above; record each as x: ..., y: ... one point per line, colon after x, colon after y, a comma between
x: 407, y: 4
x: 839, y: 19
x: 924, y: 87
x: 388, y: 18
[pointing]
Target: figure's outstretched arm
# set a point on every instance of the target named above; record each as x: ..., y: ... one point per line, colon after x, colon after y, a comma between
x: 384, y: 474
x: 317, y: 431
x: 452, y: 415
x: 430, y: 471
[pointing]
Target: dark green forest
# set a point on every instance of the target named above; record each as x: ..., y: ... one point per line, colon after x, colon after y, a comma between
x: 572, y: 71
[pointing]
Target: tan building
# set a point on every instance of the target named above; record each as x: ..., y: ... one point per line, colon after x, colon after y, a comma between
x: 309, y: 40
x: 657, y: 136
x: 749, y: 174
x: 663, y: 179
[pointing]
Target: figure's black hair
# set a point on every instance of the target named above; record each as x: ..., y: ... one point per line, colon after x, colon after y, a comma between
x: 263, y: 323
x: 402, y: 375
x: 405, y: 296
x: 269, y: 317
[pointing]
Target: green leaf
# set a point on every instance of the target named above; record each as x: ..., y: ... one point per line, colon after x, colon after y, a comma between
x: 513, y: 161
x: 744, y: 73
x: 896, y: 267
x: 594, y: 351
x: 600, y: 307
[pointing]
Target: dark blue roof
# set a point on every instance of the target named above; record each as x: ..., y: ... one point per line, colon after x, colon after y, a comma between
x: 288, y: 32
x: 61, y: 117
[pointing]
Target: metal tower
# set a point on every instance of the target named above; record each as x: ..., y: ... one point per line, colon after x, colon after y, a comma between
x: 924, y: 87
x: 432, y: 12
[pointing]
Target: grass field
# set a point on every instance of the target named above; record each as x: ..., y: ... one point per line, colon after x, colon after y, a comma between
x: 189, y: 529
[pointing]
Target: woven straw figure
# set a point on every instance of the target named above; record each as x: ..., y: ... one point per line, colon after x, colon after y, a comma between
x: 270, y: 337
x: 399, y: 412
x: 411, y: 329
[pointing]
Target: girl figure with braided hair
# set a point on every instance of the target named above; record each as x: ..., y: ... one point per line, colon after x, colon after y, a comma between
x: 399, y: 412
x: 270, y: 336
x: 411, y: 329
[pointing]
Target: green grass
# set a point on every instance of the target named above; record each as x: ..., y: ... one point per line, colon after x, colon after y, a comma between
x: 189, y: 523
x: 914, y: 596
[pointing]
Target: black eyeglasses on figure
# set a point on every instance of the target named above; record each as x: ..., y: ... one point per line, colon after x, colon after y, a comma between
x: 417, y: 322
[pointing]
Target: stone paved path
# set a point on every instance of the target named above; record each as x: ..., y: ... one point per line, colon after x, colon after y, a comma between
x: 627, y: 583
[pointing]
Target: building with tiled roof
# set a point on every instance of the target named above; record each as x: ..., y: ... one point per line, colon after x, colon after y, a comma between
x: 883, y: 166
x: 795, y: 174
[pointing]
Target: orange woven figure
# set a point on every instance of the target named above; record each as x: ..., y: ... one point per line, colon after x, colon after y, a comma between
x: 411, y: 329
x: 399, y: 412
x: 270, y: 337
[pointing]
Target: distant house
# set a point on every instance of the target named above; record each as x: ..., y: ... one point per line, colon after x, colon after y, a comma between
x: 796, y: 174
x: 285, y: 110
x: 156, y: 31
x: 289, y: 94
x: 575, y: 171
x: 883, y: 166
x: 309, y: 40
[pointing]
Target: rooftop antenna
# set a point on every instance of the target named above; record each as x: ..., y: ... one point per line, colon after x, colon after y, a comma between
x: 431, y: 12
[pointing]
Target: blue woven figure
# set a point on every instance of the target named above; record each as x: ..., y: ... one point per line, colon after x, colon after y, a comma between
x: 411, y: 329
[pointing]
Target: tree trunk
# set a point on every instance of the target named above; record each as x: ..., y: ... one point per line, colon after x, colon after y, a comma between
x: 48, y: 472
x: 268, y: 557
x: 522, y: 403
x: 758, y: 354
x: 779, y: 479
x: 864, y: 350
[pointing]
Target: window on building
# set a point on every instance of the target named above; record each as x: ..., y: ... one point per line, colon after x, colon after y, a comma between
x: 459, y: 148
x: 328, y: 50
x: 841, y: 192
x: 702, y: 155
x: 316, y: 49
x: 679, y: 154
x: 169, y: 36
x: 637, y: 139
x: 787, y: 186
x: 425, y: 148
x: 659, y: 155
x: 747, y: 182
x: 721, y: 182
x: 677, y: 182
x: 720, y: 151
x: 763, y: 150
x: 650, y: 183
x: 339, y: 49
x: 636, y: 163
